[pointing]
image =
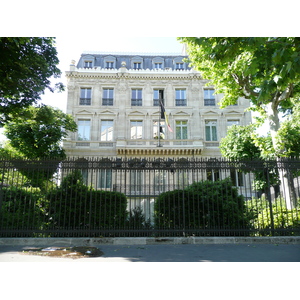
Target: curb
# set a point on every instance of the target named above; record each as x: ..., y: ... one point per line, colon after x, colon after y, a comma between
x: 147, y: 241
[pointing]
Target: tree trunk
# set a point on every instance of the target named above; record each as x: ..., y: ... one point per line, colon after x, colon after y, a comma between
x: 286, y: 178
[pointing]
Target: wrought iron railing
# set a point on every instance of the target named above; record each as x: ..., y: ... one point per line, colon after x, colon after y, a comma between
x: 148, y: 197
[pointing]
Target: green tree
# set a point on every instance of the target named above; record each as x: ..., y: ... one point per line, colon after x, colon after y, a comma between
x: 26, y: 66
x: 37, y: 132
x: 243, y: 144
x: 264, y: 70
x: 239, y: 143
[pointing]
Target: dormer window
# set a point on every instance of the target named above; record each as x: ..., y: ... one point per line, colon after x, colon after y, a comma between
x: 178, y: 63
x: 109, y: 65
x: 88, y: 64
x: 87, y: 61
x: 109, y: 62
x: 158, y: 63
x: 137, y: 65
x: 179, y: 66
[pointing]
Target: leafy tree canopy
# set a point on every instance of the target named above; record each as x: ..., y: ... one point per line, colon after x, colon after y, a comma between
x: 37, y: 132
x: 264, y: 70
x: 26, y: 66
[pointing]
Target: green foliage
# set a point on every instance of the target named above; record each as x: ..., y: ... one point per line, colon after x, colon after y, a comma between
x: 37, y: 132
x: 203, y: 205
x: 26, y: 66
x: 283, y: 219
x: 21, y: 208
x: 265, y: 70
x: 239, y: 143
x: 258, y: 68
x: 136, y: 219
x: 77, y: 206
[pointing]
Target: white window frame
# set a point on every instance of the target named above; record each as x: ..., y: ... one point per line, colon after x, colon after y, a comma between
x: 135, y: 100
x: 180, y: 97
x: 181, y: 129
x: 106, y: 130
x: 84, y: 130
x: 108, y: 96
x: 136, y: 129
x: 209, y: 97
x: 212, y: 126
x: 85, y: 96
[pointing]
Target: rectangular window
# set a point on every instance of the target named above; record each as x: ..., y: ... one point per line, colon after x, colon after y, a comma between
x: 105, y: 178
x: 179, y: 66
x: 107, y: 128
x: 136, y: 97
x: 159, y: 128
x: 136, y: 130
x: 209, y: 97
x: 158, y: 94
x: 232, y: 122
x: 212, y: 174
x: 236, y: 178
x: 157, y: 65
x: 136, y: 181
x: 181, y: 130
x: 88, y: 64
x: 84, y: 129
x: 109, y: 65
x: 85, y: 96
x: 180, y: 97
x: 183, y: 179
x: 108, y: 97
x: 211, y: 130
x: 137, y: 65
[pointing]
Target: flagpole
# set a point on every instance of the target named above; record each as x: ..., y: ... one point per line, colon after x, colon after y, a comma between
x: 159, y: 99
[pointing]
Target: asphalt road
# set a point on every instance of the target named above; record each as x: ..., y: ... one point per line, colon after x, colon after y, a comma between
x: 170, y: 253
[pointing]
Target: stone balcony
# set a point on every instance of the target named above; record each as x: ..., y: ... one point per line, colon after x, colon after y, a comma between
x: 156, y: 147
x: 141, y: 146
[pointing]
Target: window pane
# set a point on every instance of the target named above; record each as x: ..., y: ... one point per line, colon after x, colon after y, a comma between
x: 136, y: 129
x: 211, y: 130
x: 84, y: 130
x: 214, y: 133
x: 209, y: 94
x: 105, y: 178
x: 181, y: 130
x: 106, y: 130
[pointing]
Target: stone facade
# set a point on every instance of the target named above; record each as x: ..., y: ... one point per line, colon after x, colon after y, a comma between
x: 115, y: 100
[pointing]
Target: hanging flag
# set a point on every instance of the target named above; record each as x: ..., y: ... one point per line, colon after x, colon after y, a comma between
x: 164, y: 116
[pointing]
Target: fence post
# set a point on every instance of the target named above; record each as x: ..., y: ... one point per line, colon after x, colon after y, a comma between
x: 268, y: 190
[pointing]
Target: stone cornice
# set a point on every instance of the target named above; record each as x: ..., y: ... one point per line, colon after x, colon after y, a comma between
x: 157, y: 75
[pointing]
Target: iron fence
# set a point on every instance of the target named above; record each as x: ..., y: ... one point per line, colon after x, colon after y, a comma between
x: 81, y: 197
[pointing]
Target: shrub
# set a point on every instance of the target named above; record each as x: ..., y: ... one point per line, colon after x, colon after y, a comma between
x: 284, y: 220
x: 202, y: 205
x: 136, y: 219
x: 74, y: 205
x: 21, y: 208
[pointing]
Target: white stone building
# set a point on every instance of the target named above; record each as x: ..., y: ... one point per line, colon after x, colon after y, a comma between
x: 114, y: 99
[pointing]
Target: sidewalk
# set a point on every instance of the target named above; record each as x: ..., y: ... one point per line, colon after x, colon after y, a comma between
x: 222, y: 250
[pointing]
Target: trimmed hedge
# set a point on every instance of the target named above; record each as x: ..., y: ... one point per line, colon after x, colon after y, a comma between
x: 20, y: 208
x: 202, y: 205
x: 74, y: 205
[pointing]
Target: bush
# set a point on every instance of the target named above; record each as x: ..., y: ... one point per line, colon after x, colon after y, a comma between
x: 21, y: 208
x: 285, y: 221
x: 137, y: 220
x: 74, y: 205
x: 202, y: 205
